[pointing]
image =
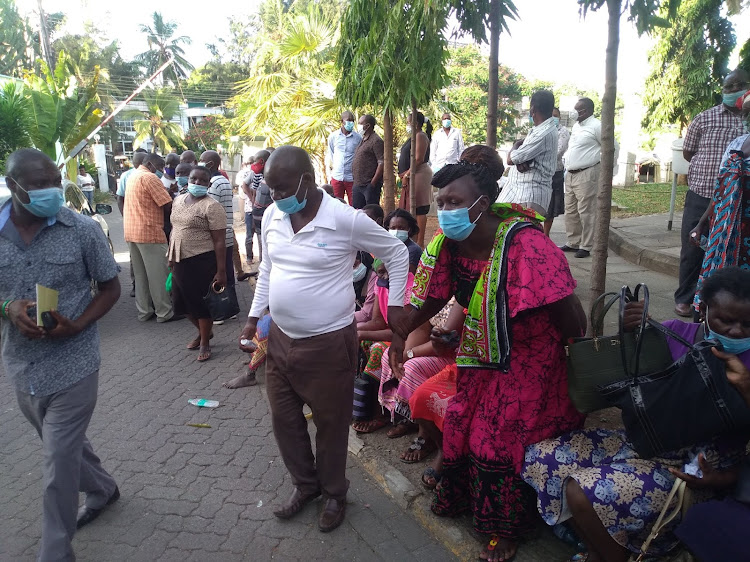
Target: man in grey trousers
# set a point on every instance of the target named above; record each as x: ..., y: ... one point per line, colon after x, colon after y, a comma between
x: 55, y: 369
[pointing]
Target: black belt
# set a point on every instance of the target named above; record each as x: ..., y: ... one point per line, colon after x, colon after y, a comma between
x: 582, y: 169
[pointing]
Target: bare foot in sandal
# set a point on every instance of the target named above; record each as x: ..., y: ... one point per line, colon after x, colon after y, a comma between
x: 196, y: 343
x: 205, y: 353
x: 370, y: 425
x: 499, y: 550
x: 419, y: 450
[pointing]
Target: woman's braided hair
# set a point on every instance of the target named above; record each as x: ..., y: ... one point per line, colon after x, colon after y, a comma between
x: 482, y: 163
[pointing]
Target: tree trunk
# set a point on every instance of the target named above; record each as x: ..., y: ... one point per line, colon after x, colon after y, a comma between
x: 389, y: 178
x: 492, y: 95
x: 604, y: 201
x: 413, y: 160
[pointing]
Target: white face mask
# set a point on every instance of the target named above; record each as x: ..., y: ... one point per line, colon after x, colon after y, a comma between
x: 359, y: 272
x: 408, y: 130
x: 402, y: 235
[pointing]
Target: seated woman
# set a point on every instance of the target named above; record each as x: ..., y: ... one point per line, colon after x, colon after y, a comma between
x: 374, y: 335
x: 511, y: 386
x: 364, y: 279
x: 197, y: 255
x: 428, y: 406
x: 596, y: 478
x: 403, y: 225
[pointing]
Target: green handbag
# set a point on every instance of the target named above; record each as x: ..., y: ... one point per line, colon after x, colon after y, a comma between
x: 598, y: 361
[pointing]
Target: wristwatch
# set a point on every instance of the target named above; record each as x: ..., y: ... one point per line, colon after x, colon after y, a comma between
x: 410, y: 354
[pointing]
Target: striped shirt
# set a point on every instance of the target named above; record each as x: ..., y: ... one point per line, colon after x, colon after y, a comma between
x: 221, y: 190
x: 708, y: 136
x: 533, y: 188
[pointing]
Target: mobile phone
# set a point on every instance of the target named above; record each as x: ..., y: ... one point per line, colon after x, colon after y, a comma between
x: 48, y: 321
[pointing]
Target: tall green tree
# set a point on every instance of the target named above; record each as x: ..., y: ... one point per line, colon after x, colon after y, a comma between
x: 397, y: 63
x: 19, y: 47
x: 468, y: 90
x: 645, y: 14
x: 689, y: 59
x: 162, y: 44
x: 14, y: 120
x: 157, y: 124
x: 474, y: 17
x: 64, y: 108
x: 289, y: 95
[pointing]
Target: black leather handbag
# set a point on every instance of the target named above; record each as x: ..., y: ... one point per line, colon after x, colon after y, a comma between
x: 601, y: 360
x: 221, y: 302
x: 689, y: 402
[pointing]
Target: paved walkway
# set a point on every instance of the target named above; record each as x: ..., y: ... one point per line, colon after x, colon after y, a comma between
x: 190, y: 493
x: 646, y: 241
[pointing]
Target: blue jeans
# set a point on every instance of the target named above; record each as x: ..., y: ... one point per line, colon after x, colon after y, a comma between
x: 90, y: 196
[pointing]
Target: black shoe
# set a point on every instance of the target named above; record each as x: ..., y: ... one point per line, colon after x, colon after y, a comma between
x: 582, y: 253
x: 243, y: 276
x: 87, y: 514
x: 567, y: 248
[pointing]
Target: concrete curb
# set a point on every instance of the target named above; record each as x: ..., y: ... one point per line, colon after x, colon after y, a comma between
x: 640, y: 255
x: 456, y: 538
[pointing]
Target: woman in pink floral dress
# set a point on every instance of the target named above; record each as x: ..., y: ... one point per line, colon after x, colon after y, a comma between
x: 511, y: 386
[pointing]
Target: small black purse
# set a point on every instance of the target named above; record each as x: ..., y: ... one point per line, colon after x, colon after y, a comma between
x: 221, y: 302
x: 689, y: 402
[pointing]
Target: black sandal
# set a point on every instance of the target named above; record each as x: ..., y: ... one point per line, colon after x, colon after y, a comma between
x: 430, y: 472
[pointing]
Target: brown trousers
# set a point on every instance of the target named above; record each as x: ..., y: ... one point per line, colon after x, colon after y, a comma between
x: 317, y: 371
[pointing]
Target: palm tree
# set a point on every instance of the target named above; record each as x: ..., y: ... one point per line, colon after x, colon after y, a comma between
x: 157, y: 124
x: 14, y: 120
x: 162, y: 46
x: 290, y: 94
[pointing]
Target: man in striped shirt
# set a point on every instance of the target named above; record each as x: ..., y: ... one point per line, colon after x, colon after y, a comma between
x: 530, y: 180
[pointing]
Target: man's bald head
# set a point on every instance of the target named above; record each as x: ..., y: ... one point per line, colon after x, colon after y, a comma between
x: 262, y: 155
x: 347, y: 116
x: 138, y: 157
x: 211, y: 157
x: 21, y: 162
x: 289, y: 160
x: 172, y: 159
x: 188, y: 157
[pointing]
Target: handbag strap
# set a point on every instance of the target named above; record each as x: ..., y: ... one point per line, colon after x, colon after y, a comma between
x: 597, y: 320
x: 666, y: 516
x: 669, y: 333
x: 625, y: 297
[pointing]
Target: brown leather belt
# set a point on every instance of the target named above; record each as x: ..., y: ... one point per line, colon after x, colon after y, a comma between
x: 582, y: 169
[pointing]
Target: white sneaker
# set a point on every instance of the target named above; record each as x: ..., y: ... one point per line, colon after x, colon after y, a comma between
x: 218, y: 322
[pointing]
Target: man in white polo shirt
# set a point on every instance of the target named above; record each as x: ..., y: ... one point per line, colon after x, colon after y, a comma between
x: 309, y: 243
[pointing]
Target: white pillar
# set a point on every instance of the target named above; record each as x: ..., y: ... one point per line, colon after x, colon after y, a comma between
x: 100, y: 160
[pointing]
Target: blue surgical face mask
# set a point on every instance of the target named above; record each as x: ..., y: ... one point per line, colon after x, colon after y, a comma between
x: 447, y: 123
x: 182, y: 181
x: 556, y: 121
x: 402, y: 235
x: 735, y: 346
x: 359, y: 272
x: 456, y: 224
x: 291, y: 204
x: 349, y: 126
x: 197, y: 190
x: 159, y: 174
x: 731, y: 99
x: 45, y: 202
